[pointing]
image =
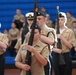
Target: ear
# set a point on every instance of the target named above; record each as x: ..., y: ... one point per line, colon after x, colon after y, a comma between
x: 45, y: 19
x: 39, y: 35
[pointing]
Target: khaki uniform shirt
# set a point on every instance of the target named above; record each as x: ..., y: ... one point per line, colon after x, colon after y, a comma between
x: 49, y: 23
x: 14, y: 33
x: 75, y: 37
x: 36, y: 67
x: 69, y: 22
x: 75, y: 42
x: 18, y: 17
x: 4, y: 39
x: 9, y: 38
x: 74, y: 30
x: 18, y: 44
x: 68, y: 34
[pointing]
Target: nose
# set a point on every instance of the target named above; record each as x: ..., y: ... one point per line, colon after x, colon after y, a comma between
x: 59, y: 20
x: 36, y: 20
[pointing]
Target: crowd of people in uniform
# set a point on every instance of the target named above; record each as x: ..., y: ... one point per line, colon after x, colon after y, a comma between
x: 44, y: 43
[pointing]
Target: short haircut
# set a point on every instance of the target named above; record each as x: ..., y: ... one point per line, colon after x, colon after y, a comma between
x: 73, y: 22
x: 69, y: 12
x: 37, y: 27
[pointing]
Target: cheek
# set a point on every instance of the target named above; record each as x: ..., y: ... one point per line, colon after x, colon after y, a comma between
x: 36, y: 36
x: 61, y: 22
x: 38, y: 21
x: 30, y: 22
x: 74, y: 26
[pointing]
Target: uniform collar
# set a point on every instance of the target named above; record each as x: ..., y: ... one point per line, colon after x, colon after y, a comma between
x: 38, y: 43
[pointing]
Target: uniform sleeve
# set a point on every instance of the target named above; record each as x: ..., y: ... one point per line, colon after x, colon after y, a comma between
x: 17, y: 32
x: 10, y: 32
x: 5, y: 40
x: 15, y: 17
x: 45, y: 52
x: 75, y: 42
x: 9, y: 38
x: 18, y: 56
x: 55, y: 35
x: 72, y: 38
x: 17, y: 46
x: 51, y: 36
x: 26, y: 38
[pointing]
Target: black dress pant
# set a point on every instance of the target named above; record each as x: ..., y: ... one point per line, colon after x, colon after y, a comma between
x: 2, y: 61
x: 65, y: 69
x: 11, y: 48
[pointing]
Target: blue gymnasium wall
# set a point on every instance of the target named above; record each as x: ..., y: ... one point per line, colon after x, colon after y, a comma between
x: 8, y: 8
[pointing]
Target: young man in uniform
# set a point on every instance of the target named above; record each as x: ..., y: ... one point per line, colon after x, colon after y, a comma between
x: 46, y: 33
x: 25, y: 30
x: 67, y: 38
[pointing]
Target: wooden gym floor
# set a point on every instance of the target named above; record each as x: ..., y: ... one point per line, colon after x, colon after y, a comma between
x: 17, y: 71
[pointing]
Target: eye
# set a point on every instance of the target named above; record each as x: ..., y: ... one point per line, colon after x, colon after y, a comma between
x: 39, y: 18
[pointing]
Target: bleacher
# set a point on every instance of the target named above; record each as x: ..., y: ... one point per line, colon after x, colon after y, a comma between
x: 8, y: 9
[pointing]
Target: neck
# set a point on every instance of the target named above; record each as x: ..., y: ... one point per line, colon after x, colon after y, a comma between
x: 62, y: 27
x: 18, y: 14
x: 13, y: 28
x: 34, y: 42
x: 70, y: 18
x: 42, y: 26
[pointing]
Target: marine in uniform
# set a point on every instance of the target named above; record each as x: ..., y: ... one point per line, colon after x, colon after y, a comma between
x: 18, y: 15
x: 73, y: 53
x: 48, y: 21
x: 67, y: 38
x: 29, y: 21
x: 70, y: 19
x: 40, y: 54
x: 14, y: 33
x: 74, y: 27
x: 3, y: 47
x: 8, y: 36
x: 19, y: 19
x: 19, y: 42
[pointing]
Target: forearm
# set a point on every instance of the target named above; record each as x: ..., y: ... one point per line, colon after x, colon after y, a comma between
x: 75, y: 48
x: 3, y: 45
x: 14, y: 38
x: 46, y: 40
x: 40, y: 58
x: 19, y: 65
x: 68, y: 44
x: 56, y: 50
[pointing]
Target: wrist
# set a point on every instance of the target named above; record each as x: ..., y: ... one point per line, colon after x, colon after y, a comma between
x: 22, y: 67
x: 33, y: 51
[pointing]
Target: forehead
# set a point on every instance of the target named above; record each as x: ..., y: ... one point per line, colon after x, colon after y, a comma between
x: 13, y: 24
x: 18, y: 10
x: 40, y: 16
x: 74, y: 23
x: 30, y: 20
x: 67, y: 13
x: 61, y: 18
x: 36, y: 30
